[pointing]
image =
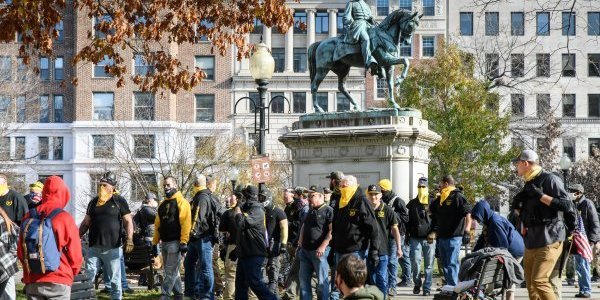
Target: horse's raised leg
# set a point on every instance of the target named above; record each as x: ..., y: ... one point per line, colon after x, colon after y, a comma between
x: 342, y: 73
x: 389, y: 76
x: 314, y: 87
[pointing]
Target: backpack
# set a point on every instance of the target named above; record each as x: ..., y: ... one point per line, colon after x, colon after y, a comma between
x: 40, y: 253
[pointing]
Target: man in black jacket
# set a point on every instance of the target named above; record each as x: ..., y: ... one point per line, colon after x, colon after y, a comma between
x: 589, y: 216
x: 334, y: 185
x: 354, y: 225
x: 543, y: 229
x: 277, y: 231
x: 252, y: 247
x: 418, y: 232
x: 199, y: 276
x: 399, y: 206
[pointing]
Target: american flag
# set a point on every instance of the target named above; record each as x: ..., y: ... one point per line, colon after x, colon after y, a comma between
x: 581, y: 242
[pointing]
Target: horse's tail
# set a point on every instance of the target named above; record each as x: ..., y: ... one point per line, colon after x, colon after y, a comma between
x: 312, y: 59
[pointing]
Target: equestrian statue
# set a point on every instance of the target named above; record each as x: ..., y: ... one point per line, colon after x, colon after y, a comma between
x: 376, y: 47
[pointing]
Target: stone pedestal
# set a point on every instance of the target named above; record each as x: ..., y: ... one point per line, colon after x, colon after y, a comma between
x: 370, y: 145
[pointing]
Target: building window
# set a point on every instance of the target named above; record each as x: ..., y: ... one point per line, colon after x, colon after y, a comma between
x: 405, y: 50
x: 568, y: 65
x: 517, y: 23
x: 543, y: 23
x: 543, y: 64
x: 543, y: 105
x: 57, y: 148
x: 5, y: 107
x: 594, y: 147
x: 322, y: 22
x: 569, y: 148
x: 492, y: 26
x: 205, y: 108
x: 141, y: 66
x: 144, y: 106
x: 300, y: 22
x: 258, y: 26
x: 142, y: 184
x: 59, y: 27
x: 99, y: 68
x: 341, y: 29
x: 382, y: 90
x: 428, y: 46
x: 383, y: 7
x: 44, y: 109
x: 406, y: 4
x: 103, y: 146
x: 205, y: 25
x: 5, y: 68
x: 277, y: 104
x: 517, y: 106
x: 568, y: 104
x: 98, y: 23
x: 22, y: 72
x: 20, y: 147
x: 256, y: 98
x: 143, y: 145
x: 492, y: 65
x: 466, y: 23
x: 300, y: 60
x: 59, y: 72
x: 594, y: 105
x: 206, y: 64
x: 323, y: 101
x: 517, y: 65
x: 44, y: 68
x: 594, y: 65
x: 4, y: 148
x: 299, y: 102
x: 568, y: 23
x: 429, y: 7
x: 57, y: 105
x: 342, y: 103
x: 21, y: 116
x: 593, y: 23
x: 103, y: 106
x: 43, y: 147
x: 279, y: 57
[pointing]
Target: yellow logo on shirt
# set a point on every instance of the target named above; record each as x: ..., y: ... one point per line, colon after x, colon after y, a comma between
x: 9, y: 203
x: 352, y: 212
x: 381, y: 214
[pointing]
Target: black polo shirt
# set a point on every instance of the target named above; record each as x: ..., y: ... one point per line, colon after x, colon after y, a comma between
x: 386, y: 219
x: 14, y: 205
x: 107, y: 222
x: 274, y: 215
x: 316, y: 226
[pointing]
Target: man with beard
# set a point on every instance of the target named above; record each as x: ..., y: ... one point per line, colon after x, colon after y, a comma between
x: 334, y: 185
x: 277, y: 231
x: 295, y: 214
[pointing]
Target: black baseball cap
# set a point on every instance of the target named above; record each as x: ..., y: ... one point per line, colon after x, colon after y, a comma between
x: 374, y: 189
x: 337, y: 175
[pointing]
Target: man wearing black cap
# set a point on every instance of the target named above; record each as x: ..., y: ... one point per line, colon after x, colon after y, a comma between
x: 543, y: 229
x: 277, y: 234
x: 105, y: 217
x: 251, y: 247
x: 335, y: 178
x: 589, y: 217
x: 295, y: 219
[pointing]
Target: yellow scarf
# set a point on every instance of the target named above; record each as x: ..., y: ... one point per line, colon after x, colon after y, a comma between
x: 534, y: 172
x: 3, y: 189
x: 423, y: 195
x: 196, y: 189
x: 103, y: 195
x: 445, y: 192
x: 347, y: 193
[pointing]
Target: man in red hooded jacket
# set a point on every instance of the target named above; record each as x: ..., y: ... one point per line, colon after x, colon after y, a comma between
x: 57, y: 284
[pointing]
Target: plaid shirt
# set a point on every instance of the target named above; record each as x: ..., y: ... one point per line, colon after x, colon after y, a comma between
x: 8, y: 251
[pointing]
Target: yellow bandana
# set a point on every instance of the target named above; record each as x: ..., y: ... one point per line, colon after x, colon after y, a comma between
x: 196, y: 189
x: 3, y: 189
x: 423, y: 195
x: 534, y: 172
x: 347, y: 193
x: 445, y: 192
x: 103, y: 195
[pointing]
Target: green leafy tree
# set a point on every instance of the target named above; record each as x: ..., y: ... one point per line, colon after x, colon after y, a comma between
x: 465, y: 113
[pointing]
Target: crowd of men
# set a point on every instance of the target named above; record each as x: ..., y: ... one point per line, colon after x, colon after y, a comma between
x: 326, y: 243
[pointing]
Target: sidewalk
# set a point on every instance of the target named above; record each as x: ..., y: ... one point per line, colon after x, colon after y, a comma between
x: 568, y: 292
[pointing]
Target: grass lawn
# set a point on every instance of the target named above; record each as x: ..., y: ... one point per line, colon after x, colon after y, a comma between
x: 141, y: 295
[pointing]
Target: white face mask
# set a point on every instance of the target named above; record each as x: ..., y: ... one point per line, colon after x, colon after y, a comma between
x: 573, y: 196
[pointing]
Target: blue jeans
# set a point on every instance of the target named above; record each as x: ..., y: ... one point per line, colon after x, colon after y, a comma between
x: 111, y: 260
x: 249, y: 276
x: 583, y: 273
x: 171, y: 263
x: 378, y: 276
x: 309, y: 263
x: 199, y: 277
x: 405, y: 261
x: 392, y: 266
x: 449, y: 250
x: 335, y: 293
x: 418, y: 247
x: 124, y: 284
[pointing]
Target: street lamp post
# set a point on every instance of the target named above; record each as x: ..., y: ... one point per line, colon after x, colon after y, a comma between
x: 565, y: 165
x: 233, y: 175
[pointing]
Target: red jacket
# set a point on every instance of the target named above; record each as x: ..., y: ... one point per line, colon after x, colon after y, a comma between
x: 56, y: 195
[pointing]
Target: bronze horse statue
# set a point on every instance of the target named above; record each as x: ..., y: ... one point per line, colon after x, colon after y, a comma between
x: 333, y: 54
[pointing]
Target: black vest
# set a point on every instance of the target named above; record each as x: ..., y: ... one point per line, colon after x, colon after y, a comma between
x: 170, y: 227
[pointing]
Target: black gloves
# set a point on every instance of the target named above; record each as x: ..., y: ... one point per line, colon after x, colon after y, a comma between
x: 154, y: 252
x: 374, y: 257
x: 183, y: 249
x: 282, y: 249
x: 533, y: 191
x: 233, y: 255
x: 466, y: 239
x: 275, y: 249
x: 222, y: 253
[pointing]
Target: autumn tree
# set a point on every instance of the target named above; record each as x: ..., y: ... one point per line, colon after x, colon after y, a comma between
x: 465, y: 113
x: 150, y: 28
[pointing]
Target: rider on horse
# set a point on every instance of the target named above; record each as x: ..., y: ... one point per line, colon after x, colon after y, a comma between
x: 358, y: 20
